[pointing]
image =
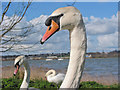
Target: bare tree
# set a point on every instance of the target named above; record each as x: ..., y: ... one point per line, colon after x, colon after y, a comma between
x: 15, y: 20
x: 8, y: 37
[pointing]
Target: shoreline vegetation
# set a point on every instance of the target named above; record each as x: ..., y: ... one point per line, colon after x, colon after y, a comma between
x: 111, y: 54
x: 37, y: 79
x: 39, y: 72
x: 42, y: 84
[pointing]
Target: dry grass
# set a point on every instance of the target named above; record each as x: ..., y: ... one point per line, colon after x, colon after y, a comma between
x: 39, y: 72
x: 36, y: 73
x: 7, y: 72
x: 105, y: 80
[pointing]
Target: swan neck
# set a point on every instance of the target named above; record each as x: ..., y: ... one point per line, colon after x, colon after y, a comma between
x: 77, y: 57
x: 53, y: 73
x: 26, y: 80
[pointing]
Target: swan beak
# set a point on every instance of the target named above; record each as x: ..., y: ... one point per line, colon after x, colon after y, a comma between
x: 50, y: 31
x: 16, y: 70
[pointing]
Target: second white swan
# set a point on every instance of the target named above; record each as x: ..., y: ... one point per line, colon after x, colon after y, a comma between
x: 22, y: 60
x: 52, y: 77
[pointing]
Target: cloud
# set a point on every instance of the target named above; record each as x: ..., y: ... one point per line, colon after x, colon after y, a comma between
x: 102, y: 34
x: 92, y: 43
x: 56, y: 43
x: 108, y: 41
x: 98, y: 26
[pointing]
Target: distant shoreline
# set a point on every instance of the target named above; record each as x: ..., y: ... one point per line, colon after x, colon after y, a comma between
x: 12, y: 58
x: 112, y: 54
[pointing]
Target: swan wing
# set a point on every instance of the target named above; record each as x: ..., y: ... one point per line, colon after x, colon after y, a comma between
x: 57, y: 79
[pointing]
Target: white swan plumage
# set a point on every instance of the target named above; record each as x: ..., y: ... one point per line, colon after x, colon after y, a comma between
x: 22, y: 60
x: 53, y: 77
x: 71, y: 19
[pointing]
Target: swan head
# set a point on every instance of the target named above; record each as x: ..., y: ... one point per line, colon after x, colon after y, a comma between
x: 61, y: 19
x: 18, y: 62
x: 50, y: 73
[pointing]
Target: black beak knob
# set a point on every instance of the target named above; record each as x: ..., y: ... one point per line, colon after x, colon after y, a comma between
x: 41, y: 42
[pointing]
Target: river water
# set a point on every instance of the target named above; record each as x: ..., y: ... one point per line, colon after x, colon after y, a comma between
x: 97, y: 66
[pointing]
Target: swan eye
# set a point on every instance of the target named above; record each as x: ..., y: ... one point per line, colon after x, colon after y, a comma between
x: 50, y: 28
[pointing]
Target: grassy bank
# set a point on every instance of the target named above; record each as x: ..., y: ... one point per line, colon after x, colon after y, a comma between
x: 39, y: 72
x: 16, y: 82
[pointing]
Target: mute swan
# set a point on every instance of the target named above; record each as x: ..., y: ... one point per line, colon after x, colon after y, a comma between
x: 70, y: 18
x: 18, y: 62
x: 52, y: 77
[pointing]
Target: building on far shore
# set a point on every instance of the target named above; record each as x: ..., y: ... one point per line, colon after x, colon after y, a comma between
x: 88, y: 55
x: 64, y: 55
x: 52, y: 57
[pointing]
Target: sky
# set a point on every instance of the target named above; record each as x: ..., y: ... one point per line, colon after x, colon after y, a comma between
x: 64, y: 0
x: 100, y: 18
x: 102, y: 9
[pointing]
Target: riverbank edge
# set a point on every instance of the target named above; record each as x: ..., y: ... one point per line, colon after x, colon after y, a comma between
x: 12, y: 59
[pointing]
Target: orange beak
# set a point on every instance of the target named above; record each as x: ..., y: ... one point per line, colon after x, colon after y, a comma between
x: 50, y: 31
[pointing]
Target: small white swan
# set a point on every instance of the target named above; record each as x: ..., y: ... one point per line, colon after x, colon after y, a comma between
x: 22, y: 60
x: 52, y: 77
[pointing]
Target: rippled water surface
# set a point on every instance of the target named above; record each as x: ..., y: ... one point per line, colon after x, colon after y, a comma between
x: 104, y: 66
